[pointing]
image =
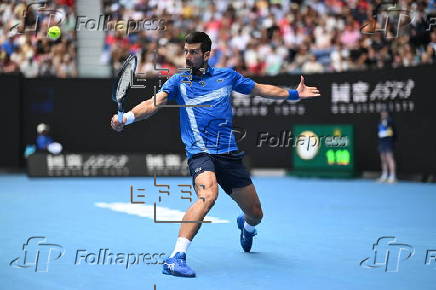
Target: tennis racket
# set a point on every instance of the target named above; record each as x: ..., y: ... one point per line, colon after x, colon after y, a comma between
x: 123, y: 82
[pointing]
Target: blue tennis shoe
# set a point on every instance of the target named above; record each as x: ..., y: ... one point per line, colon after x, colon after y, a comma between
x: 246, y: 237
x: 176, y: 266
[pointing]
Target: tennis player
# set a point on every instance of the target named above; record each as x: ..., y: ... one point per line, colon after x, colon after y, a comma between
x: 206, y: 131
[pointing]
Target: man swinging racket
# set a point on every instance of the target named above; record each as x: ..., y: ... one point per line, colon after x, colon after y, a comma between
x: 206, y: 92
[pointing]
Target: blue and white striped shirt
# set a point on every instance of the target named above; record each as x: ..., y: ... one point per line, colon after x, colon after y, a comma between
x: 207, y: 129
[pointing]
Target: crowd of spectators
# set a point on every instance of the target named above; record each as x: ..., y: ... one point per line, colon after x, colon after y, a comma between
x: 28, y: 50
x: 254, y: 37
x: 278, y: 36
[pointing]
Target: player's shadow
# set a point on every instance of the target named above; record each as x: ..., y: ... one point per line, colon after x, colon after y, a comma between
x: 254, y: 262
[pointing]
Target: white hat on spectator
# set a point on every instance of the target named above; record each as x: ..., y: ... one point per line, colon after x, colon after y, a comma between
x: 42, y: 127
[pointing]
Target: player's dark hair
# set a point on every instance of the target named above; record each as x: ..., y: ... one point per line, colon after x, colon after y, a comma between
x: 199, y: 37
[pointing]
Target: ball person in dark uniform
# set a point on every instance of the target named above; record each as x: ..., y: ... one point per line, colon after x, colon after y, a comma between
x: 386, y: 140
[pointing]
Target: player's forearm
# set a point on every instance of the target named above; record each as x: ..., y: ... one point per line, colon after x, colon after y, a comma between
x: 144, y: 110
x: 270, y: 91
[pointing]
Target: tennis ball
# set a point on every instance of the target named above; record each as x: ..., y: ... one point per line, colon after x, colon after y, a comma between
x: 54, y: 32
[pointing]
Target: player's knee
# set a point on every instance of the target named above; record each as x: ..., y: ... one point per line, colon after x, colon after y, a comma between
x: 206, y: 185
x: 208, y: 194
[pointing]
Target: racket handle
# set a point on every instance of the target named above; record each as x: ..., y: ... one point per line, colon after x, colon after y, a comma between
x: 120, y: 117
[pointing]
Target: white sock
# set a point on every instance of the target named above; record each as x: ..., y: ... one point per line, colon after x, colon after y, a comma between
x: 182, y: 245
x: 249, y: 228
x: 384, y: 175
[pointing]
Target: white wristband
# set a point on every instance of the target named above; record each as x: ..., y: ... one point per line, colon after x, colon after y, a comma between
x: 130, y: 118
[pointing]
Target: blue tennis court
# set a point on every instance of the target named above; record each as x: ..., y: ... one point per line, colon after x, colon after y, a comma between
x: 314, y: 235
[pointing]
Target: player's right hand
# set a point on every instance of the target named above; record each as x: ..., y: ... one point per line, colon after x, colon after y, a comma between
x: 117, y: 126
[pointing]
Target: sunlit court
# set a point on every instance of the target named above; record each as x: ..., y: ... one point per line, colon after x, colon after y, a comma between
x: 315, y: 234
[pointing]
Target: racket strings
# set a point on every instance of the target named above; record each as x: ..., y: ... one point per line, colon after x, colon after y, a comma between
x: 124, y: 82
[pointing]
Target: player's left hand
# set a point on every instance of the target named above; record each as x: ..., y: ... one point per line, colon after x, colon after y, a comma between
x: 307, y: 92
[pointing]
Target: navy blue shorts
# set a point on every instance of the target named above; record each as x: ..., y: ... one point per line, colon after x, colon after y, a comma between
x: 385, y: 147
x: 229, y: 170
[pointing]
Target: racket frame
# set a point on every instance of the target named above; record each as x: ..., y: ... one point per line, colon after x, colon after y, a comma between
x: 130, y: 59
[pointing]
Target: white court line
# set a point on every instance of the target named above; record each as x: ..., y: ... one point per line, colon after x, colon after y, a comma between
x: 147, y: 211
